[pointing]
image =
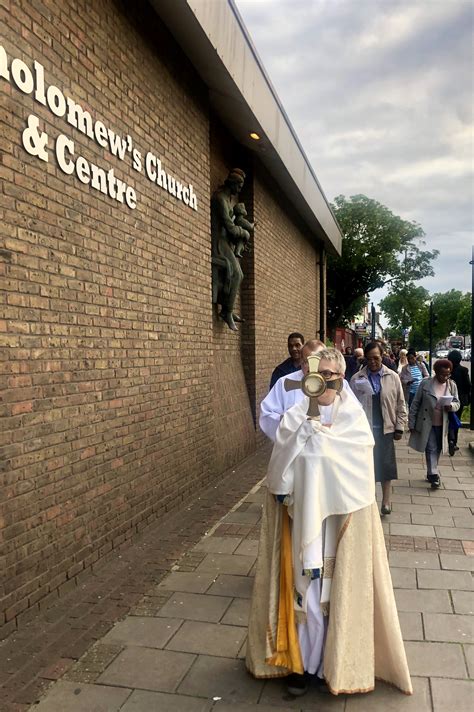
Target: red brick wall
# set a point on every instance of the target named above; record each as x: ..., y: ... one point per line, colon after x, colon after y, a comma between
x: 107, y: 317
x: 286, y: 280
x: 122, y: 391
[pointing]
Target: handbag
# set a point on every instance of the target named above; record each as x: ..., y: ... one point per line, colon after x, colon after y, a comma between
x: 454, y: 422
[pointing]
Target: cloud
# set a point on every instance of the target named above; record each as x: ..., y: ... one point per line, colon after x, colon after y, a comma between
x: 379, y: 93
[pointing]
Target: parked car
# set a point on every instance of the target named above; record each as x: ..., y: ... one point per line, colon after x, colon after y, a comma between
x: 441, y: 353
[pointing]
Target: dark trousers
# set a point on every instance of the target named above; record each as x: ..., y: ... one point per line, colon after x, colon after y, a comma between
x: 453, y: 432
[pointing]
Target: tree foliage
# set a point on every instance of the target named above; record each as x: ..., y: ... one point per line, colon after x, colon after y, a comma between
x: 404, y: 308
x: 464, y: 317
x: 378, y: 247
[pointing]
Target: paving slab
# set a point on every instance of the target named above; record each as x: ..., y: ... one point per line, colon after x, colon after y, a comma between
x: 411, y: 530
x: 147, y: 669
x: 237, y: 613
x: 195, y: 607
x: 469, y: 655
x: 403, y: 578
x: 187, y: 581
x: 454, y: 533
x: 463, y: 602
x: 464, y: 521
x: 148, y: 631
x: 221, y: 677
x: 218, y: 544
x: 144, y: 701
x: 452, y: 695
x: 388, y: 699
x: 461, y: 580
x: 229, y: 707
x: 249, y: 547
x: 411, y: 507
x: 242, y: 518
x: 400, y: 498
x: 78, y: 697
x: 398, y: 517
x: 276, y: 695
x: 449, y: 628
x: 226, y: 564
x: 444, y: 518
x: 228, y: 585
x: 457, y: 562
x: 414, y: 559
x: 423, y: 601
x: 411, y: 624
x: 208, y: 639
x: 435, y: 659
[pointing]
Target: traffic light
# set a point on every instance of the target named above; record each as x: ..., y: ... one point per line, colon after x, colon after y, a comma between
x: 434, y: 319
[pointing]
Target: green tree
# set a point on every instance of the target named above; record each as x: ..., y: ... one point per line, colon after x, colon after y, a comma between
x: 403, y: 307
x: 446, y: 306
x: 378, y: 248
x: 464, y: 317
x: 453, y: 312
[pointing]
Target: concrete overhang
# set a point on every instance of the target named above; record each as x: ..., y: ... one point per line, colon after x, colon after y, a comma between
x: 213, y: 36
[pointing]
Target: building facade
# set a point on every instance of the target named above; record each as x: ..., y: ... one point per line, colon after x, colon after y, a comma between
x: 123, y: 391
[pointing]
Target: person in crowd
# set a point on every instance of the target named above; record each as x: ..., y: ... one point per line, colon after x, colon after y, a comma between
x: 322, y: 590
x: 402, y: 360
x: 460, y: 376
x: 420, y: 359
x: 411, y: 376
x: 354, y: 364
x: 291, y: 364
x: 428, y: 417
x: 380, y: 392
x: 278, y: 400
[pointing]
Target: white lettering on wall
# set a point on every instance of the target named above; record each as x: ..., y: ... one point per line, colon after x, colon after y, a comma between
x: 35, y: 141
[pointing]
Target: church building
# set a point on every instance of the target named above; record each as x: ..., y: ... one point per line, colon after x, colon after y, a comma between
x: 124, y: 392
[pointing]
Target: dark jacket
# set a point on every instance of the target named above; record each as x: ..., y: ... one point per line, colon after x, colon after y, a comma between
x: 283, y: 369
x: 460, y: 376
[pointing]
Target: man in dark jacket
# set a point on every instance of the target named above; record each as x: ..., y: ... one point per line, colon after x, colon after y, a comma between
x: 292, y: 364
x: 460, y: 376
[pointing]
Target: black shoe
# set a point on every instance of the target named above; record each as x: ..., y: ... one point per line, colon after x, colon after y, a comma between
x: 435, y: 482
x: 321, y: 685
x: 386, y: 509
x: 297, y: 685
x: 451, y: 448
x: 456, y: 447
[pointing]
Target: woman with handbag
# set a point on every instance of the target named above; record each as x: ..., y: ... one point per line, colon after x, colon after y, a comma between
x: 460, y: 376
x: 428, y: 417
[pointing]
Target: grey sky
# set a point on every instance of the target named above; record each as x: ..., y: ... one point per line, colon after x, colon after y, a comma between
x: 380, y: 95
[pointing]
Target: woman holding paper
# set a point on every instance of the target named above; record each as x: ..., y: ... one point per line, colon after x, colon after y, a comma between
x: 428, y: 417
x: 380, y: 393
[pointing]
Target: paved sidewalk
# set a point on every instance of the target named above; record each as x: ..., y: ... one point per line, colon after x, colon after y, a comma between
x: 181, y: 647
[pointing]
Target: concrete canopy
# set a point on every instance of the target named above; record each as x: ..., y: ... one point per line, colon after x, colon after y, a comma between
x: 212, y: 34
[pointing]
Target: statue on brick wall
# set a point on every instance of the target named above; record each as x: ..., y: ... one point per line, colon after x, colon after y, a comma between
x: 229, y: 238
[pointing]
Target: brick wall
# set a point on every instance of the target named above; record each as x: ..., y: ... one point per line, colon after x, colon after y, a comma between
x: 286, y: 280
x: 123, y: 393
x: 108, y: 402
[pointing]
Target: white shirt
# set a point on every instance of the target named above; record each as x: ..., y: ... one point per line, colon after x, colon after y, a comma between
x: 278, y: 401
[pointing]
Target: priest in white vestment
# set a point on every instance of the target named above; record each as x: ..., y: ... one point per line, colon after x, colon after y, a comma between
x: 323, y: 591
x: 278, y: 400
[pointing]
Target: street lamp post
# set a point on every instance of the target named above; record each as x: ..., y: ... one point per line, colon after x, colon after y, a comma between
x: 431, y: 334
x: 372, y: 322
